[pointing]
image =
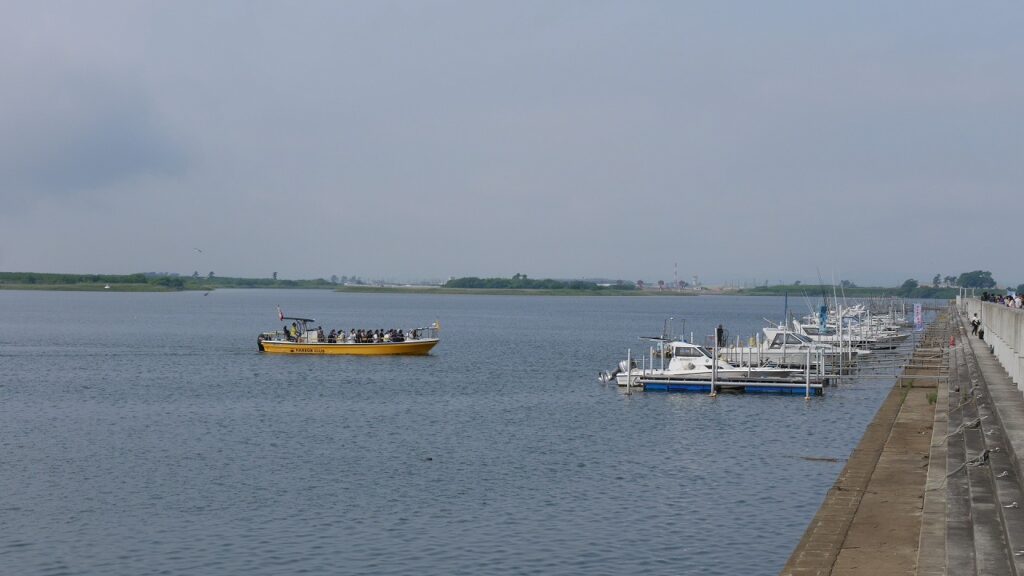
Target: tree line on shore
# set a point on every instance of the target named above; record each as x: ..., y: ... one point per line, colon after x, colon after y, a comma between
x: 522, y: 282
x: 157, y: 281
x: 941, y: 287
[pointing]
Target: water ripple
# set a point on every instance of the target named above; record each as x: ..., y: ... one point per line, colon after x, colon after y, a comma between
x: 146, y: 438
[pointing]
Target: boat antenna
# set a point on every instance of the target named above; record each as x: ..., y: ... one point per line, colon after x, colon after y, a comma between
x: 785, y: 310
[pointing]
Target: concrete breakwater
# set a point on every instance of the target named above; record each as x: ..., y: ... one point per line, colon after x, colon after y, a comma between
x: 934, y: 485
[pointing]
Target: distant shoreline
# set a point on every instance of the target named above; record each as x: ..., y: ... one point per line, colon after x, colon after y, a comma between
x: 342, y: 289
x: 500, y: 291
x: 148, y: 287
x: 93, y: 288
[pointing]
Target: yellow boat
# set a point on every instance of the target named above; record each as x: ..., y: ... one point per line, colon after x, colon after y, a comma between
x: 307, y: 340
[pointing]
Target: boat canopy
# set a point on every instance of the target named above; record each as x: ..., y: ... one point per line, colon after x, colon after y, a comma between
x: 298, y: 319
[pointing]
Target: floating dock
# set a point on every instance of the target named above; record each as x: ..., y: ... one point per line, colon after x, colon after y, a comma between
x: 743, y: 386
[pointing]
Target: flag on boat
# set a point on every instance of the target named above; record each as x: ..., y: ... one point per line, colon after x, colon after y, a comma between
x: 280, y: 315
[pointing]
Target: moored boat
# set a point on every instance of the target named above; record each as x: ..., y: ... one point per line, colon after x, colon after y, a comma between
x: 690, y: 362
x: 305, y: 338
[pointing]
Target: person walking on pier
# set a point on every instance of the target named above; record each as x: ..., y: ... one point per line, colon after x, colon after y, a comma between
x: 974, y: 324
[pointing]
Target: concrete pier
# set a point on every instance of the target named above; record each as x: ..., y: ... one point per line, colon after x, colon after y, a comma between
x: 934, y: 486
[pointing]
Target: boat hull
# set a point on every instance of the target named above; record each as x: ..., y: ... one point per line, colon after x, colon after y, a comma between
x: 414, y: 348
x: 749, y: 387
x: 723, y: 375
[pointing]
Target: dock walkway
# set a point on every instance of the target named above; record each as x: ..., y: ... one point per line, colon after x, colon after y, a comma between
x: 934, y: 486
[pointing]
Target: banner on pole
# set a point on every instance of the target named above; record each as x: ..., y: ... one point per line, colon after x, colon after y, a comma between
x: 918, y: 318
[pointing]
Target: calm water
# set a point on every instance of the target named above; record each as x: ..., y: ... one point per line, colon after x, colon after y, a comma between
x: 144, y: 434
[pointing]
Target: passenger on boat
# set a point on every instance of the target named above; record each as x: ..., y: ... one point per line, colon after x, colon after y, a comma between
x: 293, y: 332
x: 332, y: 338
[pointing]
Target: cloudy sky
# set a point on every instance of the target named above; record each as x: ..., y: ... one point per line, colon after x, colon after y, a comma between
x: 424, y: 139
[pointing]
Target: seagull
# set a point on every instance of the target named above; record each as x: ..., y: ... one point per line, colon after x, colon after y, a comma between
x: 198, y: 250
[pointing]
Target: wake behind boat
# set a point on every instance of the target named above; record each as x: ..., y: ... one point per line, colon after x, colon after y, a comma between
x: 303, y: 336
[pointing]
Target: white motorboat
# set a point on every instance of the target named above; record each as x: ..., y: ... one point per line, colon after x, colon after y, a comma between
x: 691, y: 362
x: 785, y: 348
x: 849, y: 337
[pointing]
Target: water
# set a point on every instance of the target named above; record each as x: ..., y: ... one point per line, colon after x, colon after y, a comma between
x: 144, y: 434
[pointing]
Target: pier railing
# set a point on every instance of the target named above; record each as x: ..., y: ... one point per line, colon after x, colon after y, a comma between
x: 1004, y: 332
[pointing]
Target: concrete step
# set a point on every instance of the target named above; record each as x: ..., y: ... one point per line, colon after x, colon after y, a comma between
x: 984, y: 499
x: 1000, y: 408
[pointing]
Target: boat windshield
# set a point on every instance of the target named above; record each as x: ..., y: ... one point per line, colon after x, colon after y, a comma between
x: 686, y: 352
x: 789, y: 338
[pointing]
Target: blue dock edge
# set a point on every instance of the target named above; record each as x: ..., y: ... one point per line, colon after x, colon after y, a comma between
x: 747, y: 388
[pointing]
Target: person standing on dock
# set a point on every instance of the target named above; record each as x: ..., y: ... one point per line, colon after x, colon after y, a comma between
x: 974, y: 324
x: 720, y: 336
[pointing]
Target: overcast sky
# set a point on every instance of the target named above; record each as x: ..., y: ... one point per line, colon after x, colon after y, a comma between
x: 875, y: 141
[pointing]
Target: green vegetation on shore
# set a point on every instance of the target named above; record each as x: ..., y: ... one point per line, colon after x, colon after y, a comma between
x: 143, y: 282
x: 500, y: 291
x: 905, y: 291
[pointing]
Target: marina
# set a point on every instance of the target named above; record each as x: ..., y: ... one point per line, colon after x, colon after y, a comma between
x: 727, y: 289
x: 803, y: 360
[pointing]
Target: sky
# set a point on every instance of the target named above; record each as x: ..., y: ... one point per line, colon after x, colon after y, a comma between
x: 735, y: 141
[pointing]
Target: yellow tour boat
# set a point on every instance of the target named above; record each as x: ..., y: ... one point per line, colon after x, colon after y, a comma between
x: 304, y: 337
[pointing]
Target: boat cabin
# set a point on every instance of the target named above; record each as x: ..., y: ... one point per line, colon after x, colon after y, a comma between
x: 689, y: 356
x: 781, y: 338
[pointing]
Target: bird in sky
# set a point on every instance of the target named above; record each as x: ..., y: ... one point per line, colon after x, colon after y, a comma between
x: 198, y: 250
